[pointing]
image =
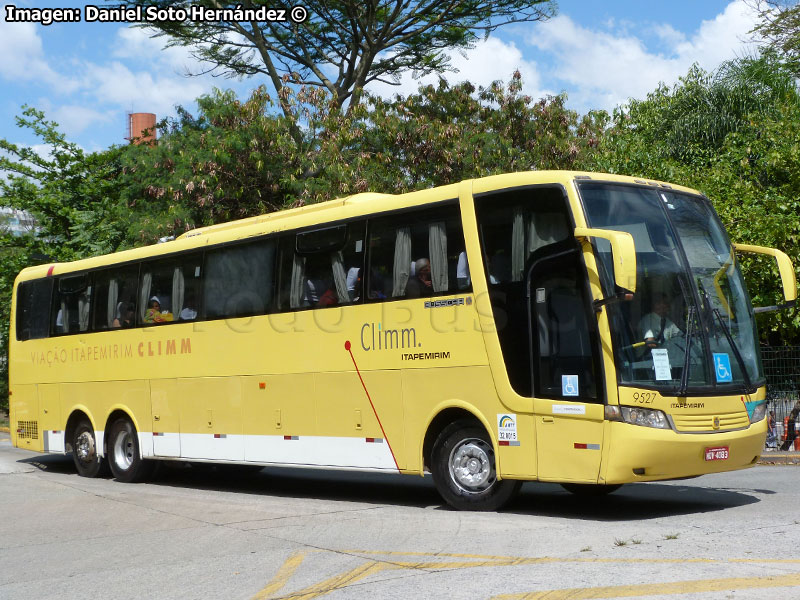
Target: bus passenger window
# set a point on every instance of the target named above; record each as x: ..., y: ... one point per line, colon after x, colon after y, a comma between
x: 115, y: 304
x: 165, y: 288
x: 33, y: 308
x: 322, y: 268
x: 72, y: 304
x: 239, y: 280
x: 417, y: 254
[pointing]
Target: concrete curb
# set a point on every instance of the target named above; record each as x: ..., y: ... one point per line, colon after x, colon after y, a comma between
x: 780, y: 458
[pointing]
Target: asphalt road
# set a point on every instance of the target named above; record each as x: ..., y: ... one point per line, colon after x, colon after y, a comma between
x: 308, y: 534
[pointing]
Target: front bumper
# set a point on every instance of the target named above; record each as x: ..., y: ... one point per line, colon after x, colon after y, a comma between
x: 658, y: 454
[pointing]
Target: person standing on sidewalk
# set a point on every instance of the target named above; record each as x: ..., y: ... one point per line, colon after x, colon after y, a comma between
x: 791, y: 425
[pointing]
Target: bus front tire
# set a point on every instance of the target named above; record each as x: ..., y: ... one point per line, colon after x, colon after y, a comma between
x: 590, y: 489
x: 87, y: 461
x: 124, y: 456
x: 463, y: 467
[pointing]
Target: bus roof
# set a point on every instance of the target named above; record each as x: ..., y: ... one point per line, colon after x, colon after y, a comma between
x: 333, y: 210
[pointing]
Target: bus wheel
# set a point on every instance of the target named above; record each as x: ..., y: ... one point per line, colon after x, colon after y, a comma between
x: 84, y: 451
x: 124, y: 457
x: 464, y: 472
x: 590, y: 489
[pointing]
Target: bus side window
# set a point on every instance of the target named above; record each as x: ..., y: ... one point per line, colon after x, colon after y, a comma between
x: 167, y: 289
x: 239, y: 280
x: 513, y: 225
x: 419, y: 253
x: 323, y: 267
x: 115, y: 298
x: 72, y: 306
x: 33, y: 309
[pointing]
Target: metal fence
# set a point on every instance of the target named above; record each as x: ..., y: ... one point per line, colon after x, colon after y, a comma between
x: 782, y: 369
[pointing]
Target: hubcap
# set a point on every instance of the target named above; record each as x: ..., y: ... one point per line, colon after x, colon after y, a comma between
x: 123, y: 450
x: 472, y: 466
x: 84, y: 447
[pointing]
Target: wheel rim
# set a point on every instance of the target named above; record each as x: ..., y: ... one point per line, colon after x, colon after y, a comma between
x: 84, y: 447
x: 471, y: 465
x: 123, y: 450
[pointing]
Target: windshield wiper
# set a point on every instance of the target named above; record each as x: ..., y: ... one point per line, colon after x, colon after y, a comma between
x: 688, y: 351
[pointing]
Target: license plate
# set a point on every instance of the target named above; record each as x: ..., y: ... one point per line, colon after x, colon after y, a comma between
x: 718, y: 453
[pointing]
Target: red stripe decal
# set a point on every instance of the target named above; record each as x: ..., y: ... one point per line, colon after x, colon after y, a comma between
x: 580, y: 446
x: 375, y: 412
x: 50, y: 271
x: 502, y: 443
x: 216, y: 436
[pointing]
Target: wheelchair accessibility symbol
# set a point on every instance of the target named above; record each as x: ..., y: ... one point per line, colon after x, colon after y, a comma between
x: 722, y: 367
x: 569, y: 385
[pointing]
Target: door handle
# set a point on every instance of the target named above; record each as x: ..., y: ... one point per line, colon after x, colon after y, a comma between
x: 548, y: 420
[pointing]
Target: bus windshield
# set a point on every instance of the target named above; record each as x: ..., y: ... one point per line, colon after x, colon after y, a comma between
x: 690, y: 326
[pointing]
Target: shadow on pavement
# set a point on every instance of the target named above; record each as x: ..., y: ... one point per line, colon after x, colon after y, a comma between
x: 631, y: 502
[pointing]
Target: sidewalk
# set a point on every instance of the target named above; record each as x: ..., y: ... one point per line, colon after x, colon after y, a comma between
x: 779, y: 457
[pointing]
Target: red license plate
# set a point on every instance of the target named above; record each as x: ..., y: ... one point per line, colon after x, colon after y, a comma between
x: 718, y: 453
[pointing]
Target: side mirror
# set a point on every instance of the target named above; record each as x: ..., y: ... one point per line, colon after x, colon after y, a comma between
x: 623, y: 253
x: 785, y: 269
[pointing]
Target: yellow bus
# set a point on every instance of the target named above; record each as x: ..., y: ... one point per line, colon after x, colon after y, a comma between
x: 580, y: 328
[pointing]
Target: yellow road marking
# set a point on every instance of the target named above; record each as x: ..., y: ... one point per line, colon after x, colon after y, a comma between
x: 339, y: 581
x: 660, y: 589
x: 282, y: 576
x: 521, y: 560
x: 682, y: 587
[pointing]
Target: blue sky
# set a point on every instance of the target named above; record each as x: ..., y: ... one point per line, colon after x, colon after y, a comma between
x: 87, y: 76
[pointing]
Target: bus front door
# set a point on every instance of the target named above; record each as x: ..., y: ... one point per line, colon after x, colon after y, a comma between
x: 568, y: 402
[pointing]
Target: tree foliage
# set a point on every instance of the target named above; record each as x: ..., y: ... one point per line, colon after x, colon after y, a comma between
x: 74, y: 198
x: 342, y: 46
x: 779, y: 28
x: 236, y: 159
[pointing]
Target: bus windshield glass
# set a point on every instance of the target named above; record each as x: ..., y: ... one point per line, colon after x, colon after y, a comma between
x: 690, y: 326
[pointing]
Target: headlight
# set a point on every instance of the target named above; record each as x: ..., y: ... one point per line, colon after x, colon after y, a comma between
x: 646, y: 417
x: 759, y: 412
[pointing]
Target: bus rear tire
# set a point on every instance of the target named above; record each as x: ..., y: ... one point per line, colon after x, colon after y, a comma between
x: 590, y: 489
x: 87, y: 461
x: 124, y: 456
x: 463, y: 467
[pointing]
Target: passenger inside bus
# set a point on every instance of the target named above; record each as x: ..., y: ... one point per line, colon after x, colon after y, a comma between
x: 188, y: 312
x: 154, y: 314
x: 125, y: 315
x: 420, y: 284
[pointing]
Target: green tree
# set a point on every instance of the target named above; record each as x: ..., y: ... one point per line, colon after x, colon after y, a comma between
x: 779, y: 29
x: 74, y: 199
x: 341, y: 46
x: 238, y: 158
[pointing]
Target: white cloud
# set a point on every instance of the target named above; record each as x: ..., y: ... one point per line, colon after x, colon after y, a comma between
x: 74, y: 119
x: 24, y: 59
x: 488, y: 61
x: 117, y: 85
x: 137, y: 44
x: 668, y: 34
x: 602, y: 69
